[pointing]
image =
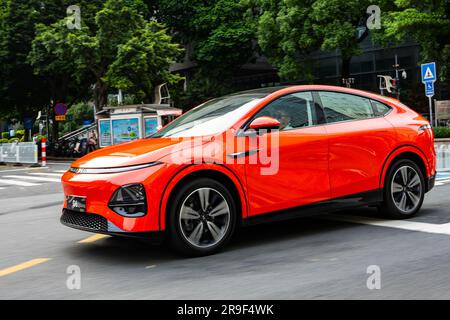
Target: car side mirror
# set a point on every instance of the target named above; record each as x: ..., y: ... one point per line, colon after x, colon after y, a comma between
x: 267, y: 123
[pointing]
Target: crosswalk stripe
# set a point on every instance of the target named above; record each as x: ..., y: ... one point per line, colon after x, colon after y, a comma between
x: 34, y: 178
x: 60, y: 171
x: 19, y: 183
x: 46, y: 174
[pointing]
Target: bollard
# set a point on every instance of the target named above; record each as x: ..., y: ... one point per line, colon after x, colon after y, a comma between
x: 43, y: 152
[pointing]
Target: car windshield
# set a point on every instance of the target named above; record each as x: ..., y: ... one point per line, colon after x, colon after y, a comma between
x: 211, y: 117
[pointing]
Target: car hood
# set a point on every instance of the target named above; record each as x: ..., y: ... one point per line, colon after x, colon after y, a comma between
x: 131, y: 153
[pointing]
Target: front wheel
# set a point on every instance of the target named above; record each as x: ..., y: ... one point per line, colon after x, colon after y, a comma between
x: 202, y: 217
x: 404, y: 190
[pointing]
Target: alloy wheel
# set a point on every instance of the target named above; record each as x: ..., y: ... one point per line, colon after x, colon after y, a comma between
x: 204, y: 217
x: 406, y: 189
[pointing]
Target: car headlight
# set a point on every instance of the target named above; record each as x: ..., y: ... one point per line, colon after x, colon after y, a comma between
x: 129, y: 201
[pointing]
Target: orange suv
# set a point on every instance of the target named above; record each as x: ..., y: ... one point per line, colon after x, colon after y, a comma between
x: 254, y: 156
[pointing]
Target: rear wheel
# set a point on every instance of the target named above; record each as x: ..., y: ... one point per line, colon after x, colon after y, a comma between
x: 202, y: 217
x: 404, y: 190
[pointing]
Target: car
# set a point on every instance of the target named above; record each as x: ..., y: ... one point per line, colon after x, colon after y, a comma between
x: 255, y: 156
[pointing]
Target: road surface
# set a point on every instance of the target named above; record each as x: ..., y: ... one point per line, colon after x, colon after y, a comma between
x: 324, y: 257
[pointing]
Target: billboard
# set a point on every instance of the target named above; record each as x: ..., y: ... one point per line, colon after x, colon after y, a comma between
x: 105, y: 133
x: 124, y: 130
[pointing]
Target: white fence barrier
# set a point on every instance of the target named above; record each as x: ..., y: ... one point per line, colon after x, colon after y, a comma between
x: 442, y: 157
x: 22, y: 152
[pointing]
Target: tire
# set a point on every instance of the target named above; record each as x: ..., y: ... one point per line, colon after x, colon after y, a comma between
x: 198, y: 227
x: 402, y: 200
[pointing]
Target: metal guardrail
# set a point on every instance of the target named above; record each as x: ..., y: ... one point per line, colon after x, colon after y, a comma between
x: 21, y: 152
x: 442, y: 156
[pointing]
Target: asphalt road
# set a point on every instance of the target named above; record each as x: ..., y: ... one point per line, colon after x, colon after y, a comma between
x: 316, y: 258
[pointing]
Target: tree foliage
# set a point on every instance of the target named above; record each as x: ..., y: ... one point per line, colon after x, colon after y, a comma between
x: 220, y: 36
x: 120, y: 49
x: 289, y: 31
x: 427, y: 22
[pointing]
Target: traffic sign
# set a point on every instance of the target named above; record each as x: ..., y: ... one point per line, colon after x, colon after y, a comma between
x: 60, y: 118
x: 429, y: 89
x: 60, y: 109
x: 428, y: 72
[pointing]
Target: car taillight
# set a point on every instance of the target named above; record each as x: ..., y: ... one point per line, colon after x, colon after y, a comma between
x: 129, y: 201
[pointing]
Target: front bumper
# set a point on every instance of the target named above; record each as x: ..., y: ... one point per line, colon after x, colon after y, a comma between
x: 96, y: 223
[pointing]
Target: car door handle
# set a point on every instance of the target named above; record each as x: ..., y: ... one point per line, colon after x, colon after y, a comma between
x: 243, y: 153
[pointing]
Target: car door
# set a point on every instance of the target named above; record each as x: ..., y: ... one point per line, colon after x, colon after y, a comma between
x: 360, y: 139
x: 298, y: 172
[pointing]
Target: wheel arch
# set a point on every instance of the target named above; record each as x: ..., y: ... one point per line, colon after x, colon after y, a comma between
x: 405, y: 152
x: 214, y: 171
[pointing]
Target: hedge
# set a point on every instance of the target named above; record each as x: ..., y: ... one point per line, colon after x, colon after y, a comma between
x: 442, y: 132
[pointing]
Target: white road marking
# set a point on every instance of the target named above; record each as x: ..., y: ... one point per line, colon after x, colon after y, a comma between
x: 19, y: 183
x: 34, y: 178
x: 397, y: 224
x: 46, y: 174
x: 442, y: 182
x: 22, y: 169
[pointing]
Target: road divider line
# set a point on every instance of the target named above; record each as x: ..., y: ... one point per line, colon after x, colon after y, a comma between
x: 396, y: 224
x: 19, y: 183
x: 94, y: 238
x: 34, y: 178
x: 22, y: 266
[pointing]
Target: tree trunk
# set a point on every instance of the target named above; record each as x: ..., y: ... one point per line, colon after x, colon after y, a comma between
x: 100, y: 95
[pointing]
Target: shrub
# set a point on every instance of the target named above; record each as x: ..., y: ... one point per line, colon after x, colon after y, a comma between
x: 5, y: 135
x: 12, y: 140
x: 3, y: 141
x: 442, y: 132
x: 20, y: 133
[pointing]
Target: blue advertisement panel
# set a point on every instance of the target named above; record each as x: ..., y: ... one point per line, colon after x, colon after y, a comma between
x: 151, y: 126
x: 105, y: 133
x: 125, y: 130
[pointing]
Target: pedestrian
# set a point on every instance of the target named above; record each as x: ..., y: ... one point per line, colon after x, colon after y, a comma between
x: 92, y: 141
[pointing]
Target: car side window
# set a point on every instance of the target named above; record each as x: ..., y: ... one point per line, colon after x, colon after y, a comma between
x: 295, y: 110
x: 380, y: 109
x: 344, y: 107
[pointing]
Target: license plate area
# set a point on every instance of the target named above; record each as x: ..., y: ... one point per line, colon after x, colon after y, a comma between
x: 76, y: 203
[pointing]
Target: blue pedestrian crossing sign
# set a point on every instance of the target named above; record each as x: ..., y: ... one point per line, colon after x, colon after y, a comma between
x: 428, y: 72
x: 429, y: 89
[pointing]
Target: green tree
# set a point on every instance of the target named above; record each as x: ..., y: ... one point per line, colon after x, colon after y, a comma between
x: 220, y: 37
x: 289, y: 31
x: 20, y: 90
x: 118, y: 49
x: 427, y: 22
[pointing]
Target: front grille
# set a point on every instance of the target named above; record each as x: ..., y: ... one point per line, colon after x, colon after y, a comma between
x: 84, y: 221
